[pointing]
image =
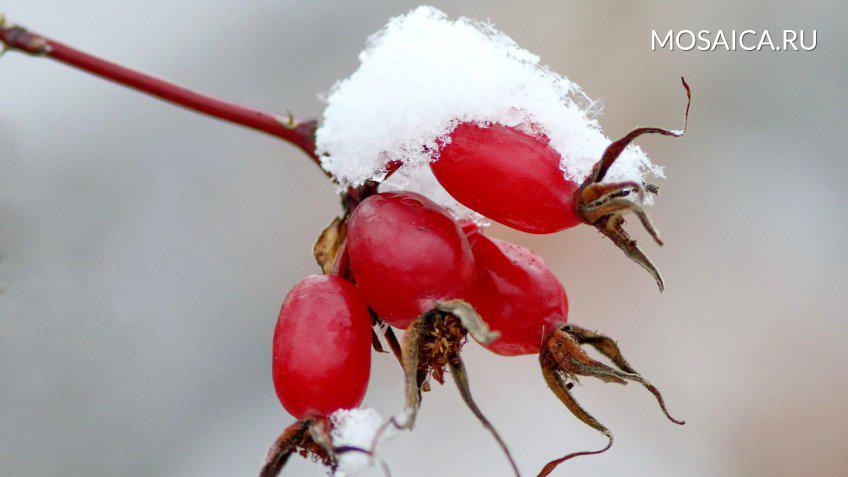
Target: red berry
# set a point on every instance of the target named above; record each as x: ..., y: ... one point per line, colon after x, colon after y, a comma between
x: 509, y: 176
x: 322, y: 347
x: 516, y: 294
x: 406, y: 253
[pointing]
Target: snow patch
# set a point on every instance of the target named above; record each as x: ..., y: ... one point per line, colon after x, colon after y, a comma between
x: 355, y: 428
x: 421, y: 179
x: 422, y: 74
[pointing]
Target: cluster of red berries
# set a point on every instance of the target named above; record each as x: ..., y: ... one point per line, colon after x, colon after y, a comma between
x: 399, y: 258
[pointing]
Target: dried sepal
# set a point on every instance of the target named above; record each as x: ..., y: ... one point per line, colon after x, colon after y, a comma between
x: 414, y: 375
x: 329, y: 244
x: 299, y: 438
x: 611, y: 227
x: 376, y: 344
x: 385, y: 330
x: 603, y: 205
x: 609, y: 348
x: 614, y: 150
x: 445, y: 336
x: 394, y: 344
x: 319, y: 431
x: 432, y: 342
x: 563, y: 360
x: 470, y: 319
x: 427, y: 344
x: 460, y: 377
x: 377, y: 326
x: 613, y: 200
x: 282, y: 449
x: 558, y: 382
x: 312, y: 438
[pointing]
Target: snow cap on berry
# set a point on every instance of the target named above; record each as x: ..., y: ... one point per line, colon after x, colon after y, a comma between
x: 422, y: 74
x: 420, y: 179
x: 356, y: 428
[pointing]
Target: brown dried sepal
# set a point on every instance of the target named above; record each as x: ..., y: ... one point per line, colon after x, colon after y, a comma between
x: 432, y: 343
x: 394, y: 344
x: 603, y: 205
x: 300, y: 438
x: 563, y: 360
x: 329, y: 244
x: 443, y: 340
x: 313, y: 440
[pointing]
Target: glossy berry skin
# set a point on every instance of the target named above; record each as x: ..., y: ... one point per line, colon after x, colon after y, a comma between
x: 406, y: 253
x: 515, y: 293
x: 509, y: 176
x: 322, y: 348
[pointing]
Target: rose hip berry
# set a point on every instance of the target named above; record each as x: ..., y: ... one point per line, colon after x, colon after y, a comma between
x: 406, y: 253
x: 516, y: 178
x: 322, y: 348
x: 519, y: 297
x: 413, y: 264
x: 515, y: 294
x: 508, y: 176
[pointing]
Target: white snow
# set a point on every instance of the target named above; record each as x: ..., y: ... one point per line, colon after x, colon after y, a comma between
x: 420, y: 179
x: 356, y: 428
x: 422, y: 74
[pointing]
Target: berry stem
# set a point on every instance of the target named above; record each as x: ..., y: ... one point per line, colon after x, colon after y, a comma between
x: 300, y: 133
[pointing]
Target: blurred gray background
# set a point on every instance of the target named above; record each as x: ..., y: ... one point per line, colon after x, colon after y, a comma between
x: 145, y: 250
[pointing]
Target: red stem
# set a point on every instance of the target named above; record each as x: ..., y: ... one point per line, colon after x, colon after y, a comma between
x: 301, y: 133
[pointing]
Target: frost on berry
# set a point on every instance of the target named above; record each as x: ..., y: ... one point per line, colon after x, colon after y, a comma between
x: 423, y: 74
